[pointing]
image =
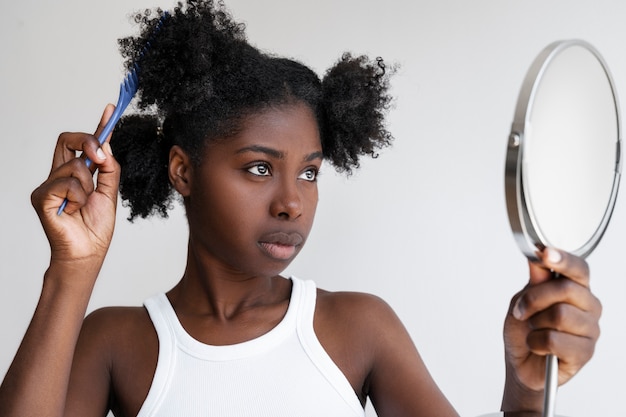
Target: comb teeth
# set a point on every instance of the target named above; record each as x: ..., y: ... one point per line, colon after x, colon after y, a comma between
x: 128, y: 89
x: 155, y: 31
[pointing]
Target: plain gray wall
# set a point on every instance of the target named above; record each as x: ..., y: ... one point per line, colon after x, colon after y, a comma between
x: 424, y: 226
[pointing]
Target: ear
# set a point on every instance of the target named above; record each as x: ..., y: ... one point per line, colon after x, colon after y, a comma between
x: 180, y: 170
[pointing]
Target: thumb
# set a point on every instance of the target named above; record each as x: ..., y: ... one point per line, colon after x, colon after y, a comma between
x: 106, y: 115
x: 108, y: 177
x: 538, y: 271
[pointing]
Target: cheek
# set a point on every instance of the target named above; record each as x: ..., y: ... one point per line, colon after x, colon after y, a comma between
x: 224, y: 202
x: 231, y: 208
x: 310, y: 201
x: 314, y: 200
x: 225, y: 226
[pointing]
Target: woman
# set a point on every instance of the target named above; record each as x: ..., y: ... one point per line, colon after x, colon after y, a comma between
x: 240, y: 136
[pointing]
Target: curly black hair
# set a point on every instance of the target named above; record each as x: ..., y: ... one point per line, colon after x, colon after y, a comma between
x: 200, y: 78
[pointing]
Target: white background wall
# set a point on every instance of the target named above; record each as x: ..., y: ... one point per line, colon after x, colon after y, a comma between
x: 424, y: 226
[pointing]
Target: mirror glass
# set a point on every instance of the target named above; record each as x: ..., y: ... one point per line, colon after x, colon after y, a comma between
x: 563, y: 159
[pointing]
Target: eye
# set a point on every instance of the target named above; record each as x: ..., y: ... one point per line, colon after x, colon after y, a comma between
x: 261, y: 169
x: 309, y: 175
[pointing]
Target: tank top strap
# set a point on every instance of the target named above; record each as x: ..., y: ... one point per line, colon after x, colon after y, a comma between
x: 314, y: 349
x: 157, y: 310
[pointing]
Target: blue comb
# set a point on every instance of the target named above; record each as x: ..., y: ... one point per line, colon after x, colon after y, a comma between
x: 128, y: 89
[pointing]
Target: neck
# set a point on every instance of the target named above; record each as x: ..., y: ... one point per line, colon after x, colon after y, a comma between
x: 210, y: 289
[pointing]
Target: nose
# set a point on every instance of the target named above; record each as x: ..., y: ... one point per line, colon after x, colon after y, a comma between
x: 287, y: 202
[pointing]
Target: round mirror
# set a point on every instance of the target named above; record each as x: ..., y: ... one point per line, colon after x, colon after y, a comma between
x: 563, y: 160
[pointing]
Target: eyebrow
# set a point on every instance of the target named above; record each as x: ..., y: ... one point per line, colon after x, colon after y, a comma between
x: 276, y: 153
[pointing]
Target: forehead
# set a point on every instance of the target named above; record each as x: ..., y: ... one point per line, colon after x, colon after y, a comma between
x: 289, y: 130
x: 293, y: 124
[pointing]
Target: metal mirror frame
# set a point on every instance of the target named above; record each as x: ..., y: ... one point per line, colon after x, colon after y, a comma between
x: 526, y: 236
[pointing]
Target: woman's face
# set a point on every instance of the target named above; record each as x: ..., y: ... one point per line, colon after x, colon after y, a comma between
x: 252, y: 201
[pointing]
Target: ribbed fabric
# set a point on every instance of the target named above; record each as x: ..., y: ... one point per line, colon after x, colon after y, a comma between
x: 283, y: 373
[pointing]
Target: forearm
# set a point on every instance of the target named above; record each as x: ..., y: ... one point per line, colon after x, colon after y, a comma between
x: 36, y: 383
x: 519, y: 398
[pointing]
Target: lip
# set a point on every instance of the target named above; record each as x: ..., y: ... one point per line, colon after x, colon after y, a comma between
x: 281, y: 245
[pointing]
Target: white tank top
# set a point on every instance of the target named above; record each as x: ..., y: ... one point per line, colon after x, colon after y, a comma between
x: 283, y: 373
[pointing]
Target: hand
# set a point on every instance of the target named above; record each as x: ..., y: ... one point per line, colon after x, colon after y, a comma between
x: 85, y: 228
x: 552, y: 316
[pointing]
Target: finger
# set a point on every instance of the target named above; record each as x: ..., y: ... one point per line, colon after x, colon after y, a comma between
x: 47, y: 198
x: 96, y: 154
x: 70, y: 189
x: 570, y: 349
x: 69, y: 143
x: 76, y: 169
x: 72, y: 180
x: 106, y: 115
x: 538, y: 273
x: 108, y: 179
x: 566, y: 264
x: 536, y: 298
x: 567, y: 319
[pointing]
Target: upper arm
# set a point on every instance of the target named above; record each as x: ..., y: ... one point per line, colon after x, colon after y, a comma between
x: 89, y: 385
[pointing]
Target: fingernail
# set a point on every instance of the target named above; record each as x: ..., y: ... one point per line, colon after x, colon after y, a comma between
x: 101, y: 154
x: 553, y: 256
x: 518, y: 310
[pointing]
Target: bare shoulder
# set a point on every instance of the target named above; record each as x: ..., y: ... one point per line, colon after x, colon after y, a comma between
x: 117, y: 321
x: 356, y: 321
x: 366, y: 311
x: 369, y: 343
x: 348, y: 325
x: 107, y: 316
x: 361, y: 318
x: 115, y: 331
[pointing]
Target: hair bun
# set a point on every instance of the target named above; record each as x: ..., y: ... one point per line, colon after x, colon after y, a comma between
x: 356, y: 100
